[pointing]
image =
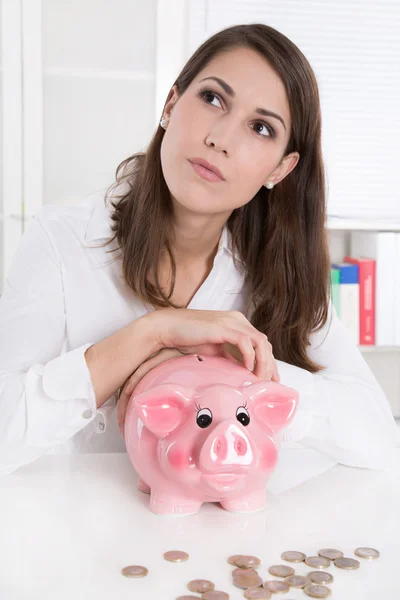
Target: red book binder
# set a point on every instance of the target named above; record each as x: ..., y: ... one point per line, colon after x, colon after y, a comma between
x: 367, y: 280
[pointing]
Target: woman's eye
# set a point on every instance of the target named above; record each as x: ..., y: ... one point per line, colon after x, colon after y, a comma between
x: 206, y: 94
x: 268, y: 129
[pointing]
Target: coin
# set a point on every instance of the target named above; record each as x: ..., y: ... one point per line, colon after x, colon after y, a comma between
x: 176, y: 556
x: 330, y: 553
x: 214, y: 595
x: 317, y: 591
x: 296, y: 581
x: 276, y: 587
x: 245, y: 561
x: 200, y: 586
x: 238, y: 570
x: 281, y: 571
x: 317, y: 562
x: 369, y: 553
x: 320, y: 577
x: 232, y: 559
x: 246, y: 578
x: 293, y: 556
x: 347, y: 563
x: 134, y: 571
x: 257, y: 594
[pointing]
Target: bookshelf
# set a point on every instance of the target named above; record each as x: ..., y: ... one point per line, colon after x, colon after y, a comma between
x: 379, y: 348
x: 384, y: 361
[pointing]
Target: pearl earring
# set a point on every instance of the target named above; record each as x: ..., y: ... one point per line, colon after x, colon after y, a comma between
x: 270, y: 185
x: 164, y: 123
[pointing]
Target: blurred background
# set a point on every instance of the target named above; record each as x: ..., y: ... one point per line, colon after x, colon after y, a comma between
x: 83, y: 84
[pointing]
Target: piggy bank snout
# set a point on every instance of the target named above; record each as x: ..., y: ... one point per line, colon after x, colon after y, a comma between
x: 227, y: 447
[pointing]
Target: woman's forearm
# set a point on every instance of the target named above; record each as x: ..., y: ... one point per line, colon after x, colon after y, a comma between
x: 112, y: 360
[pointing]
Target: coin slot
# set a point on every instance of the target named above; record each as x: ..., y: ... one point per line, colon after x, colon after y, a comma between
x: 200, y: 358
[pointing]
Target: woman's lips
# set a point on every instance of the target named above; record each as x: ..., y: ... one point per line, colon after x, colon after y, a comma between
x: 205, y: 173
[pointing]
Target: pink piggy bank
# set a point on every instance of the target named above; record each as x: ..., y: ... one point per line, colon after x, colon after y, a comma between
x: 201, y: 429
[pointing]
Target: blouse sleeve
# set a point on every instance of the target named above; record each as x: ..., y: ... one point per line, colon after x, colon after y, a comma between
x: 343, y: 412
x: 46, y: 396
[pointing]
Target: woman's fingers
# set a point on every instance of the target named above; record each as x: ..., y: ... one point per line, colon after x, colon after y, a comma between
x: 190, y: 328
x: 256, y: 347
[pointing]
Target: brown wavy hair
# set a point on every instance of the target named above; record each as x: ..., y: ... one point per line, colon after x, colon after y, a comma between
x: 280, y: 234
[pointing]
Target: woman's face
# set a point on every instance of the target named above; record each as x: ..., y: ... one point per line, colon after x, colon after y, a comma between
x: 223, y: 126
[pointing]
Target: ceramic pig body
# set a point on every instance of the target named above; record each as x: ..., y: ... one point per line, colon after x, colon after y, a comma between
x: 201, y: 429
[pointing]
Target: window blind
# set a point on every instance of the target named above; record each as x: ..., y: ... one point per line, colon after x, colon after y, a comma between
x: 353, y: 47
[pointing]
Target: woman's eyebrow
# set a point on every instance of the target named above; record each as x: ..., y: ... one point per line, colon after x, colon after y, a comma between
x: 228, y: 90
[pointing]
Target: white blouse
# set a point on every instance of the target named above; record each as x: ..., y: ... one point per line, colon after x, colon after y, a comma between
x: 63, y: 294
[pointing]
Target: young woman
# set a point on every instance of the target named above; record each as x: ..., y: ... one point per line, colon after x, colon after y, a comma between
x: 215, y: 243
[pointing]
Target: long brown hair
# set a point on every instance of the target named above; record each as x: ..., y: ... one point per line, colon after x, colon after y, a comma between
x: 280, y: 234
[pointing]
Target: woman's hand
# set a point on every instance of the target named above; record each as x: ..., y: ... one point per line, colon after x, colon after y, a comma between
x: 216, y: 331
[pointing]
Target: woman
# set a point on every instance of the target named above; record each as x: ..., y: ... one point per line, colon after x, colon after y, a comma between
x: 214, y: 244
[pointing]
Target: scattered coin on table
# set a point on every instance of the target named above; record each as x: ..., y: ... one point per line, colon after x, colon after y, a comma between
x: 244, y: 561
x: 176, y: 556
x: 320, y: 577
x: 296, y: 581
x: 349, y: 564
x: 281, y: 571
x: 369, y: 553
x: 317, y: 591
x: 257, y: 594
x: 276, y: 587
x: 215, y: 595
x: 330, y: 553
x: 134, y: 571
x: 317, y: 562
x: 239, y: 570
x: 293, y: 556
x: 246, y: 578
x: 200, y: 586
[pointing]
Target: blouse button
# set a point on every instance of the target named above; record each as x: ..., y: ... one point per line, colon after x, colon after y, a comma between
x: 87, y: 414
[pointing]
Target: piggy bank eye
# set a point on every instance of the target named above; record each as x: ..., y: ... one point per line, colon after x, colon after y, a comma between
x: 204, y: 418
x: 242, y: 416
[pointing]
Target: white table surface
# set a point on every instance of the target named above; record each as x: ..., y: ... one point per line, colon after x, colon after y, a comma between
x: 70, y: 523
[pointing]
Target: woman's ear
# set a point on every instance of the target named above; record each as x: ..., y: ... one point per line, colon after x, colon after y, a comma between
x: 171, y: 101
x: 286, y: 165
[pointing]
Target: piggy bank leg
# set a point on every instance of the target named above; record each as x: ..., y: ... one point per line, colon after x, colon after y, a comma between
x: 142, y: 486
x: 253, y: 502
x: 162, y: 503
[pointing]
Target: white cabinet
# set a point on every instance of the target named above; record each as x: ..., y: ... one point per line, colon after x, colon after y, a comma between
x: 10, y: 131
x: 74, y: 102
x: 82, y: 86
x: 97, y: 95
x: 1, y: 154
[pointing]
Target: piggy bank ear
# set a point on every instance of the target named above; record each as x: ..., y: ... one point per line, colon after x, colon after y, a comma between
x: 162, y: 407
x: 272, y: 403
